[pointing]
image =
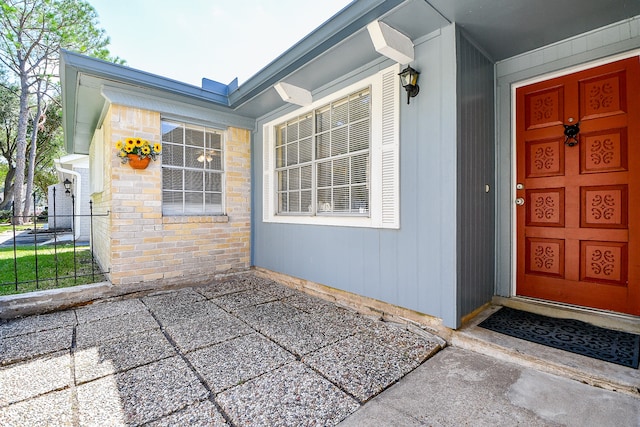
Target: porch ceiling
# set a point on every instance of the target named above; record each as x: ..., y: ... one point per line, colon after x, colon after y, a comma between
x: 502, y: 28
x: 505, y: 28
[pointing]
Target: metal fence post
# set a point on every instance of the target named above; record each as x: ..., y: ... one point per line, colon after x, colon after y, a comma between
x: 93, y: 275
x: 35, y: 239
x: 73, y: 237
x: 15, y: 246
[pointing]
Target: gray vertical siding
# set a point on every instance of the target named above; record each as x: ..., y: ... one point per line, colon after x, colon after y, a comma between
x: 476, y: 154
x: 414, y: 266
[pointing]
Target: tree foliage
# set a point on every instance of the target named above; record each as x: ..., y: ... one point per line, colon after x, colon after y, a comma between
x: 32, y: 33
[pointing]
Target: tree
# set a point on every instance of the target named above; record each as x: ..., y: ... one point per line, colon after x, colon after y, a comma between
x: 49, y: 147
x: 9, y: 123
x: 32, y: 32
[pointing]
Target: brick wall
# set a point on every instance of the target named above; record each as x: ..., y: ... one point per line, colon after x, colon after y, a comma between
x: 147, y: 247
x: 101, y: 156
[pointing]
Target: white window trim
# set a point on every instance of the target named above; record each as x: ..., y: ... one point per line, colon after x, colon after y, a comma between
x: 96, y: 162
x: 384, y: 201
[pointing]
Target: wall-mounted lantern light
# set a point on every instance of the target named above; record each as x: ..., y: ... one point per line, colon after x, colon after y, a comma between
x: 67, y: 186
x: 409, y: 80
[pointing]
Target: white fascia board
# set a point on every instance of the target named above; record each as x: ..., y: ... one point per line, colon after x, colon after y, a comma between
x: 293, y: 94
x: 390, y: 42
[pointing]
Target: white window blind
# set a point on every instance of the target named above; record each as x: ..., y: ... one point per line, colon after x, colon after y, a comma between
x: 192, y: 170
x: 322, y: 159
x: 337, y: 162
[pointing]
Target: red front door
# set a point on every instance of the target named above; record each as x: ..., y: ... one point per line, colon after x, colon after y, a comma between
x: 578, y: 213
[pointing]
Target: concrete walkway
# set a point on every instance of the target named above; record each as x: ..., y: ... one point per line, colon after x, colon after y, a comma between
x: 246, y: 351
x: 458, y: 387
x: 249, y: 352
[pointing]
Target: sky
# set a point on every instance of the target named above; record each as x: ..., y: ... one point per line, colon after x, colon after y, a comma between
x: 218, y: 39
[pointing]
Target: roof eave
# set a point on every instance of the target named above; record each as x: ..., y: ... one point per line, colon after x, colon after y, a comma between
x: 353, y: 18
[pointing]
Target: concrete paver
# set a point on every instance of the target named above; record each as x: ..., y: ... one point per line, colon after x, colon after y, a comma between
x: 238, y: 360
x: 93, y: 333
x: 247, y: 351
x: 194, y: 334
x: 120, y: 354
x: 361, y: 367
x: 289, y: 396
x: 142, y: 394
x: 200, y: 414
x: 26, y: 347
x: 227, y: 353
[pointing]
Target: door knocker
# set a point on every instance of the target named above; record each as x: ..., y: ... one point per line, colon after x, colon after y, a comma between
x: 571, y: 133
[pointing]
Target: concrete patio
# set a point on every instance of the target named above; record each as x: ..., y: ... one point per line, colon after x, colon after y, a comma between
x: 244, y: 351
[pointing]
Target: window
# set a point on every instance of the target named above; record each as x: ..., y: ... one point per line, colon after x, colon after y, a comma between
x: 192, y: 170
x: 322, y: 159
x: 336, y: 163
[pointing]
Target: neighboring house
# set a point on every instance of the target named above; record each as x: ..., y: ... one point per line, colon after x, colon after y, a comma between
x: 60, y: 204
x: 318, y: 170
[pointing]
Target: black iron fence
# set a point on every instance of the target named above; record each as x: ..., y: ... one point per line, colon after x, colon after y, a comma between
x: 47, y: 253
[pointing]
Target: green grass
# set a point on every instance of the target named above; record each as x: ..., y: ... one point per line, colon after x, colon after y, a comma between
x: 26, y: 268
x: 9, y: 227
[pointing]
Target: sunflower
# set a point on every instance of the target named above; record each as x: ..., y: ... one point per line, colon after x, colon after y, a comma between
x: 140, y: 146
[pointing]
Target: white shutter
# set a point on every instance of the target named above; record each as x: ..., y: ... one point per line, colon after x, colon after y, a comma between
x: 268, y: 150
x: 390, y: 149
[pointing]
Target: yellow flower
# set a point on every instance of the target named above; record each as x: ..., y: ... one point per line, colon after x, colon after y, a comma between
x: 145, y: 149
x: 157, y: 147
x: 122, y: 153
x: 139, y: 142
x: 119, y: 145
x: 128, y: 148
x: 131, y: 141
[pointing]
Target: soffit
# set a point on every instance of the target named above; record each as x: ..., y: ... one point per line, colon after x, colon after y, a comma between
x: 501, y: 28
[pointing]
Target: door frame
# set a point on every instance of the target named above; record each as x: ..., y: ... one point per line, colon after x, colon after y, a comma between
x: 513, y: 160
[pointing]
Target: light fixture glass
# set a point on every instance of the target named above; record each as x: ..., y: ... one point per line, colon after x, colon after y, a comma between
x: 208, y: 156
x: 409, y: 80
x: 67, y: 186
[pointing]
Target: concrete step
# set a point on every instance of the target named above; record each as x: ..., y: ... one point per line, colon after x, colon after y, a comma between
x: 584, y: 369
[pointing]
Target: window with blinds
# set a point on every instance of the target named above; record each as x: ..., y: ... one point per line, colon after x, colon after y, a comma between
x: 337, y: 161
x: 192, y: 170
x: 323, y: 157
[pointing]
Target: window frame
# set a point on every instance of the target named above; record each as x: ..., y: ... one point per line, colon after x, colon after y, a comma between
x: 315, y: 163
x: 383, y: 153
x: 198, y: 127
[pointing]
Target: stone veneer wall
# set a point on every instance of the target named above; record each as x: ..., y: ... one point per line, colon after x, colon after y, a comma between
x: 146, y: 246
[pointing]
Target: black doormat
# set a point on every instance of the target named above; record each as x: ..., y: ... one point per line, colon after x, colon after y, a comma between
x: 571, y: 335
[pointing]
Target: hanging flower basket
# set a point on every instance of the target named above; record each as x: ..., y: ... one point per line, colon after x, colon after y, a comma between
x: 137, y: 162
x: 137, y: 152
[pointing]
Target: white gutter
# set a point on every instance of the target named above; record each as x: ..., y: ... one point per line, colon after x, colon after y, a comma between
x: 77, y: 188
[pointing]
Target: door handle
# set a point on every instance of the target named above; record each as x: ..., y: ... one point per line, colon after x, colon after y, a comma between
x: 519, y: 201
